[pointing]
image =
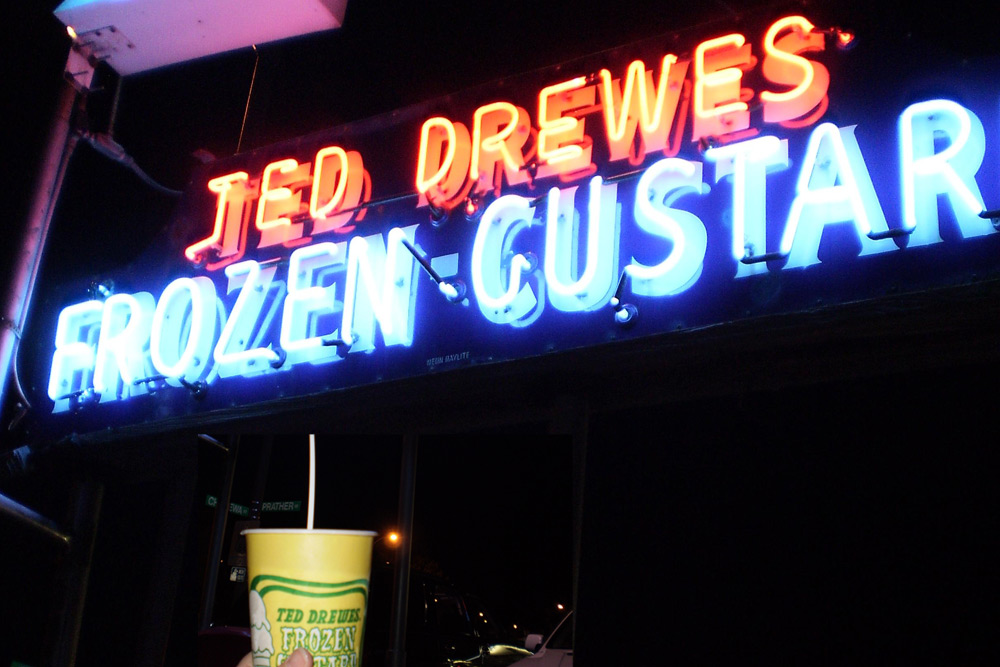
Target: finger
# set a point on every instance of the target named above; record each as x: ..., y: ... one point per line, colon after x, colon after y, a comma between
x: 247, y: 661
x: 299, y: 658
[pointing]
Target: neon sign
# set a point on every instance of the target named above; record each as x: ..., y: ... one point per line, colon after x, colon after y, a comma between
x: 628, y: 202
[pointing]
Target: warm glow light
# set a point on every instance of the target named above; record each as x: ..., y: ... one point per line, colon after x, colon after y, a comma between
x: 810, y: 80
x: 227, y: 238
x: 549, y: 128
x: 447, y: 145
x: 635, y: 95
x: 393, y: 537
x: 499, y: 130
x: 278, y: 229
x: 343, y: 173
x: 652, y: 115
x: 352, y: 180
x: 437, y: 125
x: 494, y: 142
x: 718, y: 109
x: 71, y: 32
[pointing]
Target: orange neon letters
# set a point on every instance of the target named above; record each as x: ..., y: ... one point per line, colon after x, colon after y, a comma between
x: 652, y: 114
x: 785, y: 39
x: 347, y: 173
x: 499, y: 131
x: 563, y: 146
x: 276, y: 202
x: 227, y: 237
x: 447, y: 146
x: 718, y: 108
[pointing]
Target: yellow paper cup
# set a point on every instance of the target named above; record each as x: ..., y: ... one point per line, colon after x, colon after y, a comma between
x: 308, y: 588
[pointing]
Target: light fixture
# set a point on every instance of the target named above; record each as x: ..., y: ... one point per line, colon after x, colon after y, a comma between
x: 279, y: 356
x: 625, y: 313
x: 844, y: 40
x: 343, y: 347
x: 80, y: 398
x: 475, y: 204
x: 993, y: 216
x: 704, y: 143
x: 392, y: 538
x: 139, y: 35
x: 439, y: 215
x: 473, y: 209
x: 197, y: 388
x: 453, y: 290
x: 100, y: 290
x: 750, y: 258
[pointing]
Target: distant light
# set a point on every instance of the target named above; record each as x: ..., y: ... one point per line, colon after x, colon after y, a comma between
x: 560, y: 607
x: 515, y: 626
x: 393, y: 537
x: 845, y: 39
x: 71, y: 32
x: 480, y: 613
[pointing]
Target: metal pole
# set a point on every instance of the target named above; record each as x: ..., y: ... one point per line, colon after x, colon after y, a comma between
x: 218, y: 535
x: 33, y: 519
x: 55, y: 161
x: 162, y: 592
x: 571, y: 416
x: 75, y: 574
x: 401, y: 582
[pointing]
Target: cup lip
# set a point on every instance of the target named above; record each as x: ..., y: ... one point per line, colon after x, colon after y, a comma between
x: 307, y: 531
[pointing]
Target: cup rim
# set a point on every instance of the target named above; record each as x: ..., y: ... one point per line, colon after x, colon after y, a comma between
x: 308, y: 531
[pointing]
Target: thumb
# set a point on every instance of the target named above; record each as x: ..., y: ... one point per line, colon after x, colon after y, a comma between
x: 299, y: 658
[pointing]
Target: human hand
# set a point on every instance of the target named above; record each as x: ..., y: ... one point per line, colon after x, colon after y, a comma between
x: 299, y: 658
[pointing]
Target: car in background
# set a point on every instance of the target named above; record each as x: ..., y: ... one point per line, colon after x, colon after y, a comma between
x: 556, y: 651
x: 446, y: 627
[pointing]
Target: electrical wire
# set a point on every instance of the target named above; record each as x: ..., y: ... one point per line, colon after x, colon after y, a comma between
x: 246, y: 110
x: 111, y: 149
